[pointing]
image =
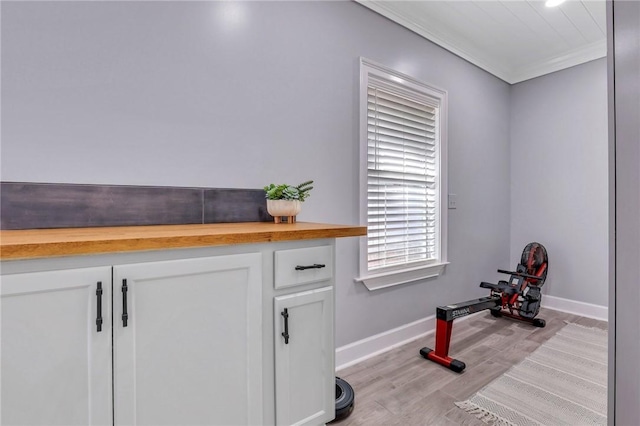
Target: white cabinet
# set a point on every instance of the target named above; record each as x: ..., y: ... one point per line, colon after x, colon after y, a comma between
x: 195, y: 338
x: 55, y: 360
x: 304, y: 336
x: 187, y: 342
x: 305, y: 373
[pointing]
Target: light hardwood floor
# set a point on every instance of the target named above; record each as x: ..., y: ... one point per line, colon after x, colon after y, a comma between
x: 400, y: 387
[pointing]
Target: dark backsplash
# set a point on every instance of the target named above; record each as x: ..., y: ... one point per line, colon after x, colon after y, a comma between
x: 53, y: 205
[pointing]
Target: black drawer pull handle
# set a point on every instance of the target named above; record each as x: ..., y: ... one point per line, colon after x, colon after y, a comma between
x: 285, y: 333
x: 99, y: 300
x: 314, y: 266
x: 125, y: 316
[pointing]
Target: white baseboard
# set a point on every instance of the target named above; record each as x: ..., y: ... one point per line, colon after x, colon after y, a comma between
x: 361, y: 350
x: 369, y: 347
x: 574, y: 307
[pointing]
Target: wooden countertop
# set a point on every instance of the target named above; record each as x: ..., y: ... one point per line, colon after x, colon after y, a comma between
x: 37, y: 243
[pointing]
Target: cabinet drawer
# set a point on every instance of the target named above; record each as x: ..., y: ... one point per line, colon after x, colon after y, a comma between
x: 303, y: 266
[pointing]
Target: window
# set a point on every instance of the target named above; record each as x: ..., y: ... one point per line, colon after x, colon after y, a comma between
x: 403, y: 177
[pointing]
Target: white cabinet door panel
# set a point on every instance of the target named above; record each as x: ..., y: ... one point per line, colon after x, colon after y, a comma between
x: 191, y: 352
x: 56, y: 366
x: 305, y: 377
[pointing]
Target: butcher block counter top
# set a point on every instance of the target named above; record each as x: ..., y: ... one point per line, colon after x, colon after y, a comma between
x: 40, y: 243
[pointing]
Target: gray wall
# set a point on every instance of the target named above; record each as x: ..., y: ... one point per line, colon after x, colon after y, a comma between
x: 238, y: 95
x: 624, y: 89
x: 559, y: 178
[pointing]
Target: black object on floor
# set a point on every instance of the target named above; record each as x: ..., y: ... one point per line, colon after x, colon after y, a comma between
x: 345, y: 399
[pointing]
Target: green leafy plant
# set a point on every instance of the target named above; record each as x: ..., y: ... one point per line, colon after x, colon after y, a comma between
x: 288, y: 192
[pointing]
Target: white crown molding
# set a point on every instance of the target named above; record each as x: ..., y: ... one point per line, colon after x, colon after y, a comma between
x: 572, y: 58
x: 512, y: 76
x: 383, y: 10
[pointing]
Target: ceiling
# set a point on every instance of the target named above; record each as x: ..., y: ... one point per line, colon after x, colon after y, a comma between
x: 514, y: 40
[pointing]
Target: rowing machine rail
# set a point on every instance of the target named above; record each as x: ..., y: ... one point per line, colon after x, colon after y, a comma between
x: 444, y: 324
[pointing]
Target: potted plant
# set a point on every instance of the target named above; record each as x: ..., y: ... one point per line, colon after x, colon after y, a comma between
x: 285, y: 200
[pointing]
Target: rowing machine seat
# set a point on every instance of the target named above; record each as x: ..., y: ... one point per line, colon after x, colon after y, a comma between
x: 502, y: 287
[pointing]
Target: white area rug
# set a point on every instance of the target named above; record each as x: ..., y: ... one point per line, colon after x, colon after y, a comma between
x: 563, y: 382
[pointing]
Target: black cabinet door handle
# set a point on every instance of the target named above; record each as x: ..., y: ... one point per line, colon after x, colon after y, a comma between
x: 99, y: 300
x: 285, y: 333
x: 314, y: 266
x: 125, y: 316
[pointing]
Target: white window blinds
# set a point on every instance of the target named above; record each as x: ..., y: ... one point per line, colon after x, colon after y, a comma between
x: 402, y: 178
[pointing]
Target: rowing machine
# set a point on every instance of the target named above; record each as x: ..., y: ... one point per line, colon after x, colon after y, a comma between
x: 519, y: 298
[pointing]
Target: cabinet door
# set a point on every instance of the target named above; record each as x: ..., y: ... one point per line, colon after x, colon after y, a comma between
x: 56, y: 365
x: 305, y: 373
x: 191, y: 350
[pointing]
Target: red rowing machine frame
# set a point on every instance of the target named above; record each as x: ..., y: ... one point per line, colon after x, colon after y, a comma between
x: 444, y: 324
x: 500, y: 301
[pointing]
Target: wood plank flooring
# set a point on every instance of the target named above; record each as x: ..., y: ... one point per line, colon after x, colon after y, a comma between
x: 400, y: 387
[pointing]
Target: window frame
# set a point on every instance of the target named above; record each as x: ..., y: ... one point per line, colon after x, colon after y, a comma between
x: 410, y: 88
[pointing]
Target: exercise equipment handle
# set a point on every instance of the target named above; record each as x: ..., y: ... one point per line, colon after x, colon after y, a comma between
x: 520, y: 274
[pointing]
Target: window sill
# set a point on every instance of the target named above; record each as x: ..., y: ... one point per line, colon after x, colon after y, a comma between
x: 404, y: 276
